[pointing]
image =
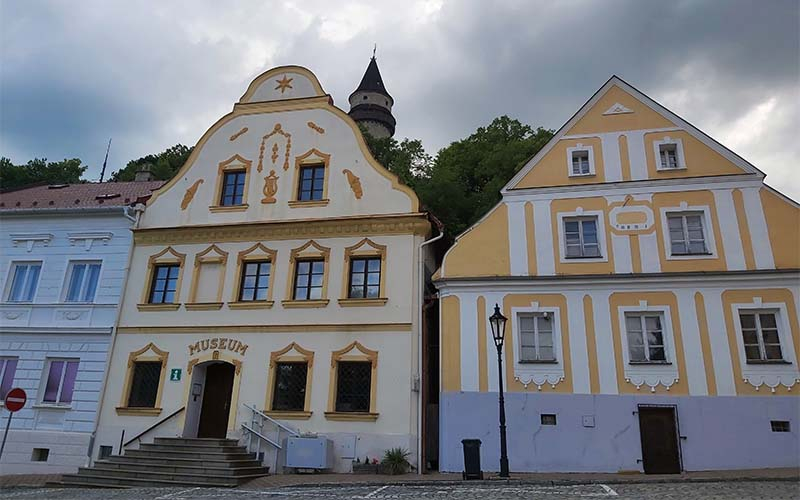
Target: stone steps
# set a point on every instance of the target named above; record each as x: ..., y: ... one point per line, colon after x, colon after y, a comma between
x: 172, y: 462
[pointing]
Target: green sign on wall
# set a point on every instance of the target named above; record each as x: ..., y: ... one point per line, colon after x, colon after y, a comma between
x: 175, y: 375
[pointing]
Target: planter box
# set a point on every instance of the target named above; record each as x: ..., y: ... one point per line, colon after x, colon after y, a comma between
x: 361, y: 468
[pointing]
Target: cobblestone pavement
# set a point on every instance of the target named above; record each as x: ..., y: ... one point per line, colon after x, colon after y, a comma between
x: 739, y: 490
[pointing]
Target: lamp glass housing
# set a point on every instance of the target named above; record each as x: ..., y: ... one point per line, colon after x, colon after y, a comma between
x: 498, y: 324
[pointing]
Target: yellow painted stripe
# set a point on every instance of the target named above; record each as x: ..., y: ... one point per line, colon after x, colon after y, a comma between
x: 451, y: 344
x: 744, y: 229
x: 625, y: 160
x: 705, y: 343
x: 636, y: 254
x: 483, y: 367
x: 591, y: 344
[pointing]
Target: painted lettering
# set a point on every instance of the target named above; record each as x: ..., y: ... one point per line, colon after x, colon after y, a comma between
x: 222, y: 343
x: 214, y: 343
x: 205, y: 344
x: 194, y: 348
x: 241, y: 348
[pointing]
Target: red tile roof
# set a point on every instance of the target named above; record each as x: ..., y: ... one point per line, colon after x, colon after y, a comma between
x: 86, y: 195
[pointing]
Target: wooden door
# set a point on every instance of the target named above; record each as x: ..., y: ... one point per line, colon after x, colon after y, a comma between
x: 216, y: 401
x: 659, y: 433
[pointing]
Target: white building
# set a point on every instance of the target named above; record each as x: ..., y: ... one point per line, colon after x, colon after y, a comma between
x: 63, y: 257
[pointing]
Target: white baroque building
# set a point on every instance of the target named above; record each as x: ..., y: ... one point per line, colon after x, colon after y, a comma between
x: 63, y: 258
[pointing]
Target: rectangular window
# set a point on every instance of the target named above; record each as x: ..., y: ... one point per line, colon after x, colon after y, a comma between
x: 8, y: 367
x: 762, y: 340
x: 289, y: 393
x: 144, y: 384
x: 645, y: 338
x: 580, y: 163
x: 686, y: 233
x: 780, y: 426
x: 308, y: 279
x: 580, y: 234
x: 40, y: 454
x: 255, y: 280
x: 23, y: 285
x: 365, y: 278
x: 353, y: 386
x: 312, y: 183
x: 82, y: 284
x: 60, y: 383
x: 233, y: 188
x: 164, y: 284
x: 669, y: 155
x: 536, y: 337
x: 548, y: 419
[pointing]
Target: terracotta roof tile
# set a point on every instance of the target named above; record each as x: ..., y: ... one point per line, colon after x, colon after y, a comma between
x: 86, y: 195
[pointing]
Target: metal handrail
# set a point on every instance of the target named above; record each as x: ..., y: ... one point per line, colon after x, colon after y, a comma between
x: 154, y: 426
x: 264, y: 415
x: 253, y: 431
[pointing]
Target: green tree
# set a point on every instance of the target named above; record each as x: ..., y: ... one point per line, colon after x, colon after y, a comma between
x: 465, y: 179
x: 407, y: 158
x: 39, y: 170
x: 163, y: 165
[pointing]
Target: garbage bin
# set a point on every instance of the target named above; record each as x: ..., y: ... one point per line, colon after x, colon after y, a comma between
x: 472, y: 459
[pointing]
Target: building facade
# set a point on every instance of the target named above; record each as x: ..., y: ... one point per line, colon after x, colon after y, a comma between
x: 276, y: 275
x: 63, y: 255
x: 650, y: 281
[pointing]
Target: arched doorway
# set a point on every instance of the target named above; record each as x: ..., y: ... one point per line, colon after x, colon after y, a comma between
x: 209, y: 402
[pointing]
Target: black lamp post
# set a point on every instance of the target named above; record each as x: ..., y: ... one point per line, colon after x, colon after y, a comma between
x: 498, y: 324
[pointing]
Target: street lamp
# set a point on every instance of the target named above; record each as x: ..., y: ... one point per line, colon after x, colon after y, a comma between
x: 498, y: 324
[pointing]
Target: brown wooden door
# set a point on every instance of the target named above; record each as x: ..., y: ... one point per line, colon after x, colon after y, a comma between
x: 216, y: 401
x: 659, y: 433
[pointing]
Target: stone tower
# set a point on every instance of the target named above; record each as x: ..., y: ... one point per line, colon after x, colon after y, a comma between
x: 371, y: 104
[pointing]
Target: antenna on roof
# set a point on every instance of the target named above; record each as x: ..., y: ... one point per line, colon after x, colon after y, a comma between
x: 374, y: 49
x: 103, y: 171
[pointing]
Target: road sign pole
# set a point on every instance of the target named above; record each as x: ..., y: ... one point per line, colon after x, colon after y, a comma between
x: 5, y: 434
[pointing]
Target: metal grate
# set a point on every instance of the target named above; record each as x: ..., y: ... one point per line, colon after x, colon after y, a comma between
x: 289, y: 393
x: 144, y: 388
x: 353, y: 386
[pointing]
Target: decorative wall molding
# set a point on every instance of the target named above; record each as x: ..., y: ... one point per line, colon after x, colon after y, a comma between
x: 772, y: 380
x: 235, y: 136
x: 617, y: 109
x: 188, y: 196
x: 274, y: 156
x: 355, y: 183
x: 88, y: 238
x: 30, y: 239
x: 651, y: 380
x: 539, y: 380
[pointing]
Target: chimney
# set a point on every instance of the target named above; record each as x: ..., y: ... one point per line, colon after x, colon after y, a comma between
x: 143, y: 173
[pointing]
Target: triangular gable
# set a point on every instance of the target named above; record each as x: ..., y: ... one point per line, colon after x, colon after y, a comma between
x: 657, y: 115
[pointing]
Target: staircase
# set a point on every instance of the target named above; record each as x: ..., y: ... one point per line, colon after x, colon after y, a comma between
x: 172, y: 462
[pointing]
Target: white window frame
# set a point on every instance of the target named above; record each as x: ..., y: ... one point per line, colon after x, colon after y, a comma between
x: 685, y: 230
x: 10, y: 280
x: 68, y: 278
x: 538, y: 374
x: 3, y: 373
x: 760, y: 335
x: 649, y: 374
x: 576, y: 148
x: 668, y: 141
x: 43, y: 383
x: 641, y: 315
x: 601, y: 236
x: 535, y: 315
x: 708, y: 232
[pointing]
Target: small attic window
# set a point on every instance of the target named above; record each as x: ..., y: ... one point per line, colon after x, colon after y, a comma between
x: 107, y: 196
x: 580, y: 160
x: 57, y: 186
x: 669, y: 154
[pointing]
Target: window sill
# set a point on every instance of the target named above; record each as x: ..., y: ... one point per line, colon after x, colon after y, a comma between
x: 228, y: 208
x: 289, y: 415
x: 538, y: 362
x: 670, y: 169
x: 768, y: 362
x: 158, y: 307
x: 351, y: 417
x: 251, y: 304
x: 308, y: 204
x: 203, y: 306
x: 584, y: 257
x: 698, y: 254
x: 144, y: 412
x: 657, y: 363
x: 376, y: 302
x: 590, y: 174
x: 52, y: 406
x: 296, y: 304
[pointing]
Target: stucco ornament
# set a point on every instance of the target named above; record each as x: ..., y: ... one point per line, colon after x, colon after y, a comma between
x: 316, y: 128
x: 284, y: 83
x: 277, y: 130
x: 190, y: 192
x: 539, y: 380
x: 355, y: 183
x: 270, y: 187
x: 652, y: 381
x: 235, y: 136
x: 773, y: 381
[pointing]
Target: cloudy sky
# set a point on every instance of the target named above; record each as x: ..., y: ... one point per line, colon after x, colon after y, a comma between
x: 153, y: 74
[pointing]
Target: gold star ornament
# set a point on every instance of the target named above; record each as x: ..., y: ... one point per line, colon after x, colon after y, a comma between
x: 283, y: 84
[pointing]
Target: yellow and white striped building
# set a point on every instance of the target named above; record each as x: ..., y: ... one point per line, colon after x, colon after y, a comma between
x: 650, y: 281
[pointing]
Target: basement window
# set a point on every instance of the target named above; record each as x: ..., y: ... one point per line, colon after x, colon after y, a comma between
x: 105, y: 452
x: 40, y: 454
x: 548, y: 418
x: 780, y: 426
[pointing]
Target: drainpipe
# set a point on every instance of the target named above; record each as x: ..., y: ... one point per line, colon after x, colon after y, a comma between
x: 420, y: 409
x: 137, y: 212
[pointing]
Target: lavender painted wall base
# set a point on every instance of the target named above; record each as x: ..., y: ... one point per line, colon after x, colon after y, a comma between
x: 717, y: 432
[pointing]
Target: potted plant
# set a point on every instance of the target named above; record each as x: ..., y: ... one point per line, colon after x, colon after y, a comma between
x: 395, y: 461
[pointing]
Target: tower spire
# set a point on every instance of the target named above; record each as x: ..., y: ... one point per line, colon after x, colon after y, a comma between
x: 374, y: 49
x: 370, y: 104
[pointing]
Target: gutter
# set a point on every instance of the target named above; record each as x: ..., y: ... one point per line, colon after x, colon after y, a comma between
x: 65, y: 211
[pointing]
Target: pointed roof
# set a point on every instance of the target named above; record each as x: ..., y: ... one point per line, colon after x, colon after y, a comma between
x: 372, y: 80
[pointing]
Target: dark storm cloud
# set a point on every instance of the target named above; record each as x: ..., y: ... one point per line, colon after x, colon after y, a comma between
x: 155, y: 74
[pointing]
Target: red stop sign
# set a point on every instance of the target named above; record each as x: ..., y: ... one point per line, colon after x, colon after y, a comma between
x: 15, y: 399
